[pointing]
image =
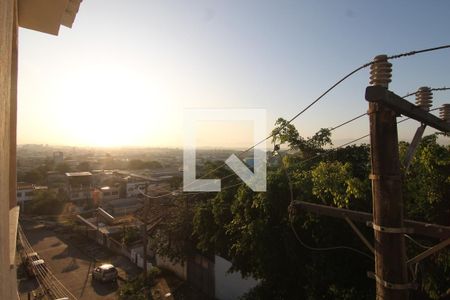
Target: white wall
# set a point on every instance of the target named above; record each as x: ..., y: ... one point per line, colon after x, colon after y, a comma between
x: 230, y: 286
x: 179, y: 269
x: 132, y: 188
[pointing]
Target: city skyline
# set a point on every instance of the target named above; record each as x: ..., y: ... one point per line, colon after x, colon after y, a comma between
x: 123, y: 74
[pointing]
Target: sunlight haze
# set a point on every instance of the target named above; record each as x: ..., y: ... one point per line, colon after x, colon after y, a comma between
x: 126, y: 70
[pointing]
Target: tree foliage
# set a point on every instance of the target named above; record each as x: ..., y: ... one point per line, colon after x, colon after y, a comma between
x: 45, y: 203
x: 256, y: 232
x: 137, y: 164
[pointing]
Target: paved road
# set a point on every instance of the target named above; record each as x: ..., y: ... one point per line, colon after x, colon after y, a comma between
x: 70, y: 265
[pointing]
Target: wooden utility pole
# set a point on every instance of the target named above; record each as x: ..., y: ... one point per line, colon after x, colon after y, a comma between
x: 387, y: 220
x: 390, y: 254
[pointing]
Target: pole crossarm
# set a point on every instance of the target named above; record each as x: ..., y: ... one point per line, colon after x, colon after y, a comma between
x: 421, y: 228
x: 359, y: 234
x: 413, y: 146
x: 429, y: 252
x: 393, y: 286
x: 382, y: 95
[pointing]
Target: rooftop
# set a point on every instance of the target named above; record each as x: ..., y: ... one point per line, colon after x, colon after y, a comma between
x: 78, y: 174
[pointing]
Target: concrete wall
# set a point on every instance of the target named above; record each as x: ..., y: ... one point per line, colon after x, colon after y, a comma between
x: 230, y: 286
x: 179, y: 269
x: 137, y: 256
x: 8, y: 109
x: 132, y: 188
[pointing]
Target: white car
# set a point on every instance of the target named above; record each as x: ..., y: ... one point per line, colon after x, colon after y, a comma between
x: 105, y: 273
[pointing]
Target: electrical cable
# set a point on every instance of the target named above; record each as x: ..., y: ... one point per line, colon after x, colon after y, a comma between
x: 417, y: 52
x: 354, y: 141
x: 220, y: 166
x: 396, y: 56
x: 44, y: 271
x: 431, y: 90
x: 303, y: 161
x: 288, y: 177
x: 416, y: 242
x: 349, y: 121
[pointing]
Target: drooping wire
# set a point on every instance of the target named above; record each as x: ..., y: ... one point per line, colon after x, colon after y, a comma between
x: 417, y: 52
x: 303, y: 161
x: 171, y: 193
x: 431, y: 90
x: 291, y: 223
x: 353, y: 141
x: 47, y: 278
x: 396, y: 56
x: 349, y: 121
x: 225, y: 177
x: 416, y: 242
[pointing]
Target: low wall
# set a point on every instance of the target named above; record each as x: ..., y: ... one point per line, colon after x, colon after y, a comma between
x: 179, y: 269
x: 230, y: 286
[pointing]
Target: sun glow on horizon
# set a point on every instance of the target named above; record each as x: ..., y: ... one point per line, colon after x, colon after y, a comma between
x: 108, y: 107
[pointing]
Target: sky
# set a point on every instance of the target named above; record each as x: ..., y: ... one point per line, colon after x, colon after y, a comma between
x: 127, y: 70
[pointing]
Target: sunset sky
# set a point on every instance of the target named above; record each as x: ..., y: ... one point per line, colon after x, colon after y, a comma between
x: 126, y: 70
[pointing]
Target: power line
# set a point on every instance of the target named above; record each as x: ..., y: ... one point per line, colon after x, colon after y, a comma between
x: 417, y: 52
x: 349, y: 121
x: 327, y: 248
x: 44, y: 272
x: 339, y: 82
x: 303, y: 161
x: 431, y: 90
x: 291, y: 192
x: 220, y: 166
x: 396, y: 56
x: 416, y: 242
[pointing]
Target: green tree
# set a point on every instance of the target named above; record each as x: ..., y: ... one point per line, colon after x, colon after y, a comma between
x: 45, y: 203
x: 137, y: 164
x: 426, y: 194
x: 138, y: 288
x: 255, y: 231
x: 333, y: 183
x: 286, y: 133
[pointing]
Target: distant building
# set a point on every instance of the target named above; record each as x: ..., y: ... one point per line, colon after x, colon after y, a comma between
x: 122, y: 207
x: 105, y: 194
x: 79, y: 186
x: 134, y: 188
x: 58, y: 157
x: 56, y: 179
x: 27, y: 192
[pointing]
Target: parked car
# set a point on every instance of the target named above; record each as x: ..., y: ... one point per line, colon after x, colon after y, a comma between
x: 105, y: 273
x: 32, y: 263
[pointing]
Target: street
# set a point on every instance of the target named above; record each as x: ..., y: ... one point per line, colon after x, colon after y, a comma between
x: 67, y: 260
